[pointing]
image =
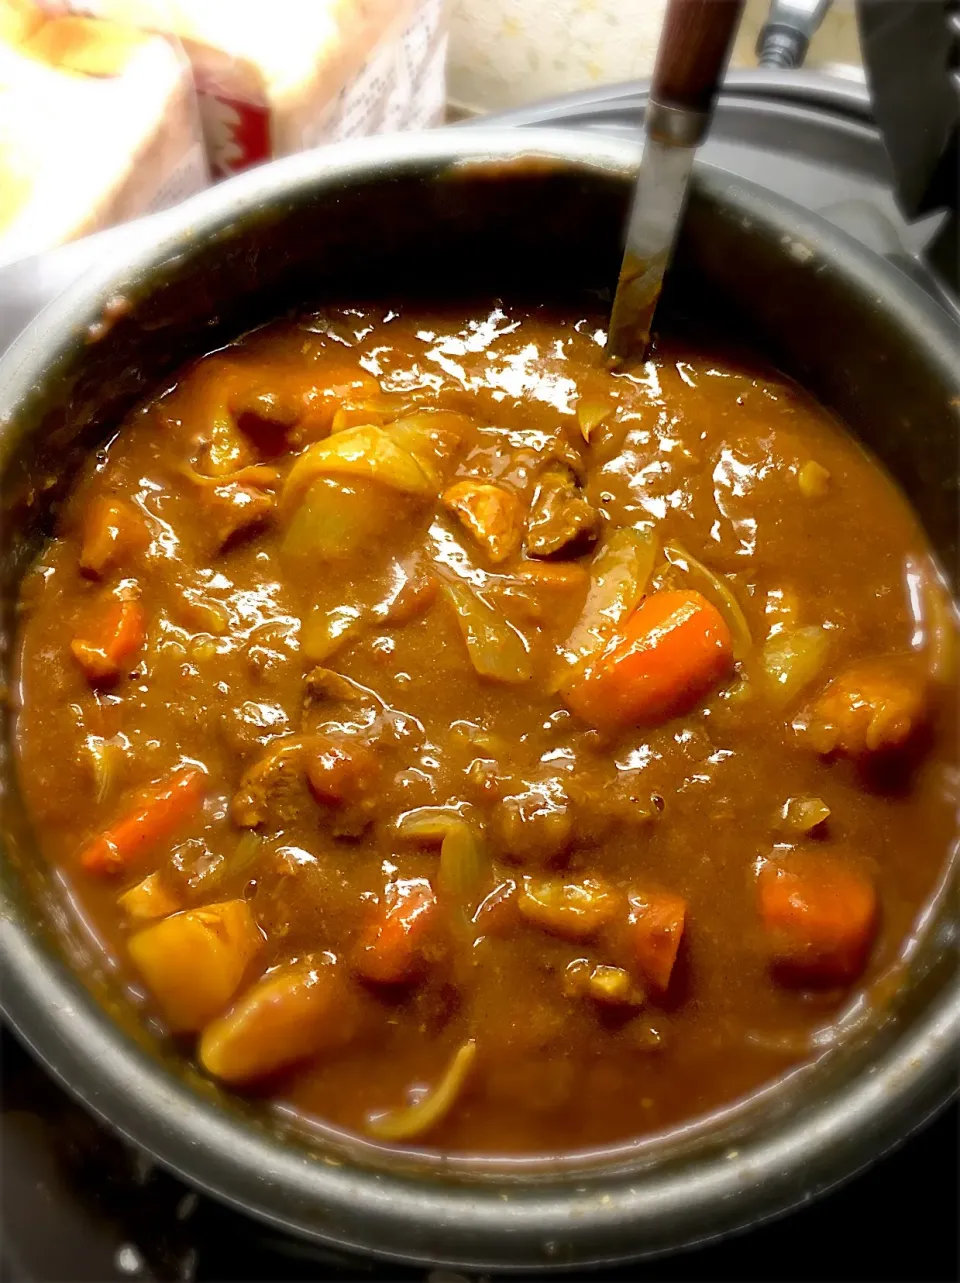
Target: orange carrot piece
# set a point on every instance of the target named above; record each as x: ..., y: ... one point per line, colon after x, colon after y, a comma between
x: 155, y: 816
x: 114, y: 637
x: 673, y: 649
x: 656, y: 923
x: 820, y: 916
x: 112, y: 531
x: 392, y: 946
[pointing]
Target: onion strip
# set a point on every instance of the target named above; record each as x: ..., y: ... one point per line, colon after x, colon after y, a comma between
x: 677, y: 555
x: 941, y: 630
x: 497, y: 651
x: 414, y: 1120
x: 461, y: 876
x: 429, y: 825
x: 619, y: 574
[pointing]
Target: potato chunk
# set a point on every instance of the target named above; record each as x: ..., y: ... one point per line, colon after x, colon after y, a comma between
x: 874, y: 706
x: 193, y: 961
x: 113, y: 533
x: 296, y: 1011
x: 149, y: 899
x: 574, y: 910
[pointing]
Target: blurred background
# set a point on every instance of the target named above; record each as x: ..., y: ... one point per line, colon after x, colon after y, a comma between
x: 110, y: 109
x: 504, y: 53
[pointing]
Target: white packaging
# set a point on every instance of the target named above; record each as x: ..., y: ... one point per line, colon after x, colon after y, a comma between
x: 278, y: 77
x: 79, y: 153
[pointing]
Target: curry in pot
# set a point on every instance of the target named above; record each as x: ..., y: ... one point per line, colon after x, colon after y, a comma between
x: 458, y: 743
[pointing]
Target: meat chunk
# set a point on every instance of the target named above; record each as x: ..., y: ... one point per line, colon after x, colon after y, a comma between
x: 251, y: 726
x: 342, y: 778
x: 534, y: 825
x: 233, y: 508
x: 272, y: 788
x: 875, y: 706
x: 561, y: 521
x: 412, y: 600
x: 332, y: 702
x: 491, y: 514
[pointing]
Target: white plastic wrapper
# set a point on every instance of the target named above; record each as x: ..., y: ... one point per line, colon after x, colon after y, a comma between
x: 81, y: 152
x: 279, y: 76
x: 401, y: 86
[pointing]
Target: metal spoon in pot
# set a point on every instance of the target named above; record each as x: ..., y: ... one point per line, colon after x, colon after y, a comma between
x: 691, y: 58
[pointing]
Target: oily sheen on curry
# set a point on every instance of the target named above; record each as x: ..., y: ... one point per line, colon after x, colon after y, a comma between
x: 459, y: 743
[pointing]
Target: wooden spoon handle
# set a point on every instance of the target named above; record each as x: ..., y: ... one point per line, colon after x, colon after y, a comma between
x: 692, y: 56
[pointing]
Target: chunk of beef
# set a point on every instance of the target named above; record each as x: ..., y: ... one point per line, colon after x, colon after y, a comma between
x: 561, y: 521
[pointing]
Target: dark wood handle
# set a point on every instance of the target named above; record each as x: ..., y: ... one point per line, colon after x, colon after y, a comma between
x: 694, y: 47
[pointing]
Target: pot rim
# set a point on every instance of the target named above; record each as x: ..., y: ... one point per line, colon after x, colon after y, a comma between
x: 592, y: 1220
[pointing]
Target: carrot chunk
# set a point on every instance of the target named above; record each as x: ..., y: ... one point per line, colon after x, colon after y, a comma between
x: 673, y: 649
x: 820, y: 917
x: 112, y: 532
x: 391, y: 949
x: 113, y: 638
x: 155, y: 816
x: 656, y: 922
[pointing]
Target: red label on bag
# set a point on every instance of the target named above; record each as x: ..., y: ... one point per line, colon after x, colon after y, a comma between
x: 237, y: 132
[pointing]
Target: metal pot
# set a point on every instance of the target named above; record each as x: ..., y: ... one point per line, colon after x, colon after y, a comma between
x: 453, y: 214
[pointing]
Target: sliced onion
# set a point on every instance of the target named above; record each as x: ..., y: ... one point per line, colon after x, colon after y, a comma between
x: 791, y: 660
x: 721, y: 591
x: 414, y: 1120
x: 432, y: 437
x: 334, y: 520
x: 325, y: 631
x: 243, y: 857
x: 106, y: 757
x: 461, y: 874
x: 430, y: 824
x: 619, y: 574
x: 496, y: 649
x: 367, y: 452
x: 252, y: 474
x: 591, y: 412
x: 803, y: 814
x: 941, y: 630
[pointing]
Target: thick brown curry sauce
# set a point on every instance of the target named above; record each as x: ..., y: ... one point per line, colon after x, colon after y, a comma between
x: 278, y: 601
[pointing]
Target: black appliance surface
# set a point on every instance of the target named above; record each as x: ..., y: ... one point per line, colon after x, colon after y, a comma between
x: 78, y: 1205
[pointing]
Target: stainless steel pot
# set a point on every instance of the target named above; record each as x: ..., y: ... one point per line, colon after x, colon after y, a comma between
x: 452, y: 214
